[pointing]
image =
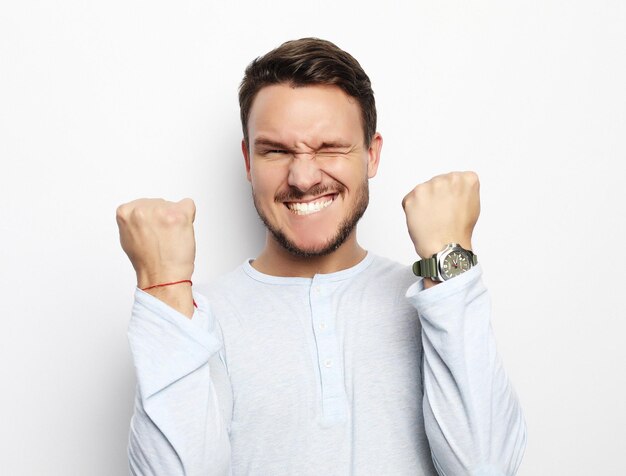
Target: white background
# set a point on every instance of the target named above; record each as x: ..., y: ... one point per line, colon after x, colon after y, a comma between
x: 105, y: 102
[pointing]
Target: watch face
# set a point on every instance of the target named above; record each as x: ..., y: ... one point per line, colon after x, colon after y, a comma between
x: 454, y: 264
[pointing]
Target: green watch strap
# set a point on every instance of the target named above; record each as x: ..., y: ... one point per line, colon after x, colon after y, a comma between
x: 426, y: 268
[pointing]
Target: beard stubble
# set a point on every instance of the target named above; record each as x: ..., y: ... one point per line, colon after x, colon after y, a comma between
x: 344, y: 229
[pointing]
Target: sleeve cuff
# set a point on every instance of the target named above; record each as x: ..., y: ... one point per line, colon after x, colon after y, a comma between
x: 201, y: 314
x: 423, y: 298
x: 167, y: 345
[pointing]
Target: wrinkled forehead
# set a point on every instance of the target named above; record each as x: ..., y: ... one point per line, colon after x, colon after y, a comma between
x: 304, y: 116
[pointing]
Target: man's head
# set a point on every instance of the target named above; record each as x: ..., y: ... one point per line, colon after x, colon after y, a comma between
x: 306, y: 62
x: 310, y: 143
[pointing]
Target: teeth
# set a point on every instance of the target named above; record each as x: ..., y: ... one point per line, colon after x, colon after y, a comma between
x: 308, y: 208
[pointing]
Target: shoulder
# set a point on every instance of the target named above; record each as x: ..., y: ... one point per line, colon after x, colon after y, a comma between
x: 391, y: 272
x: 227, y: 286
x: 386, y: 278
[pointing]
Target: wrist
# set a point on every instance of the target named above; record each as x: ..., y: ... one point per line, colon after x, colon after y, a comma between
x: 151, y: 278
x: 435, y: 246
x: 171, y: 288
x: 178, y: 296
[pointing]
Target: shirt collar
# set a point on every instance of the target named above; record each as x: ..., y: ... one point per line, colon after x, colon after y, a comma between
x: 318, y: 278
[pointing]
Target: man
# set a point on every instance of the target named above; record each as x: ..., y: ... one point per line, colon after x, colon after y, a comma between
x: 317, y: 357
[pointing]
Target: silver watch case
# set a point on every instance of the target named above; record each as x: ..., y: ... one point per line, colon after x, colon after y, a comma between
x: 443, y: 254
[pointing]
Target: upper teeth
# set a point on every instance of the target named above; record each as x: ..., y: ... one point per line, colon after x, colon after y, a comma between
x: 308, y: 208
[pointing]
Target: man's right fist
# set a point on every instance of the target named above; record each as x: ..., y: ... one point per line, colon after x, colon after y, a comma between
x: 158, y: 237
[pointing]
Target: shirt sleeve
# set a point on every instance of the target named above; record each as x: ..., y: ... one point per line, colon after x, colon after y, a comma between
x: 177, y: 427
x: 473, y: 419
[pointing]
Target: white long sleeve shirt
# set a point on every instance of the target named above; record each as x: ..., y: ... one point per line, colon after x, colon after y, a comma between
x: 358, y: 372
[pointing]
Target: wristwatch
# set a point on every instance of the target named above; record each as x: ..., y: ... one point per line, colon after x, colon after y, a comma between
x: 448, y: 263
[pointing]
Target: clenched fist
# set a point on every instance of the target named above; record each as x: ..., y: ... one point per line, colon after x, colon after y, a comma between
x: 441, y: 211
x: 158, y: 237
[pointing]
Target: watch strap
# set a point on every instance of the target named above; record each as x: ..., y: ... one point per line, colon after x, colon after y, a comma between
x: 426, y: 268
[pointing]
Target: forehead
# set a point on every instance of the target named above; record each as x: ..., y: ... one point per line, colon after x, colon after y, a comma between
x: 307, y: 114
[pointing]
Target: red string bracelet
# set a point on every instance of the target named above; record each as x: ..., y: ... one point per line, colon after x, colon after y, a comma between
x: 169, y: 284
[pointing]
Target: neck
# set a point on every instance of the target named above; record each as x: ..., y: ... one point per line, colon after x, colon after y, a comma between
x: 277, y: 261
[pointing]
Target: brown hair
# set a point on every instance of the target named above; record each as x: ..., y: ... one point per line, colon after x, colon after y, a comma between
x: 304, y: 62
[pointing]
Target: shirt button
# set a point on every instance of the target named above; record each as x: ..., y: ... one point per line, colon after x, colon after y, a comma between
x: 322, y: 325
x: 316, y: 289
x: 328, y: 363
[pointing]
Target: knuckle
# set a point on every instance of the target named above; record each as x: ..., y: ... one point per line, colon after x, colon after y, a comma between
x: 476, y: 181
x: 172, y: 215
x: 138, y: 214
x: 471, y: 177
x: 439, y: 180
x: 120, y: 212
x: 405, y: 201
x: 411, y: 197
x: 422, y: 190
x: 455, y: 177
x: 189, y: 207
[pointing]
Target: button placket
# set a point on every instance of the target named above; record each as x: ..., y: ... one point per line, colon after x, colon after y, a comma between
x: 334, y: 400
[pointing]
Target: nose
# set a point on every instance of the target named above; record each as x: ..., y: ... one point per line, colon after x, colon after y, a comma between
x: 304, y: 172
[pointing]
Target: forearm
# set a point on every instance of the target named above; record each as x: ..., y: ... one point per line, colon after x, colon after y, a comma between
x: 177, y: 427
x: 473, y: 419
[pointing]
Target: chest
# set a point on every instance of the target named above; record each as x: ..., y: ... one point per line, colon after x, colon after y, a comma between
x: 321, y: 354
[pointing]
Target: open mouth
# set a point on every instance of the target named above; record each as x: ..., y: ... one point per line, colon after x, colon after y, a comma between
x: 312, y: 206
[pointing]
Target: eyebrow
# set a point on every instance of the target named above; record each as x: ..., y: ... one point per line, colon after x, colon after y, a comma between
x: 270, y: 143
x: 334, y: 145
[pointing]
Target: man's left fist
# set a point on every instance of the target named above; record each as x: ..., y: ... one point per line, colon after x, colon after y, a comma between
x: 443, y: 210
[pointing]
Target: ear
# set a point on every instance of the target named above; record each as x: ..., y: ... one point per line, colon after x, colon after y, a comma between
x: 373, y: 155
x: 246, y: 158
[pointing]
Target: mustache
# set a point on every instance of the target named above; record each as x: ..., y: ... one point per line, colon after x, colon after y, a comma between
x: 294, y: 193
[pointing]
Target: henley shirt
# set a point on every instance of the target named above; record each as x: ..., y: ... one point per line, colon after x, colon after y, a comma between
x: 357, y: 372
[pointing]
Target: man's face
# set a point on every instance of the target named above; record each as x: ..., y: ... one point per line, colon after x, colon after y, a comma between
x: 308, y: 165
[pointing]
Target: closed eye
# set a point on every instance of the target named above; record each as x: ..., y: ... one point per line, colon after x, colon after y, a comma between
x: 266, y: 152
x: 332, y: 152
